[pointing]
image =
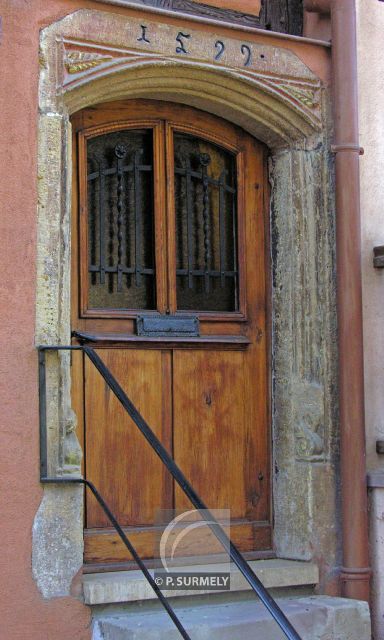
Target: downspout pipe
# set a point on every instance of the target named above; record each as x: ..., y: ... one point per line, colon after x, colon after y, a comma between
x: 355, y: 573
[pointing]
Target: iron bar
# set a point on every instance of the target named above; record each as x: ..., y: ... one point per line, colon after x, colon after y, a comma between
x: 202, y: 272
x: 111, y: 243
x: 112, y: 170
x: 120, y: 152
x: 235, y: 555
x: 148, y: 271
x: 138, y: 218
x: 43, y: 414
x: 213, y: 273
x: 211, y: 181
x: 101, y: 225
x: 235, y: 250
x: 189, y: 220
x: 221, y: 225
x: 60, y: 347
x: 205, y: 161
x: 128, y: 230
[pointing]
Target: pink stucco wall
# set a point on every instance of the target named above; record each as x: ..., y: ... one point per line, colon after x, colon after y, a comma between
x: 23, y: 612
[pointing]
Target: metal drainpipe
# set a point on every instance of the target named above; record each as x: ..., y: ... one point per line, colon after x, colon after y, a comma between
x: 355, y: 573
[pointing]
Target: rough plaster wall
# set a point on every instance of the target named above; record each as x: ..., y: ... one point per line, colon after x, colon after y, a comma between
x: 371, y: 115
x: 370, y: 25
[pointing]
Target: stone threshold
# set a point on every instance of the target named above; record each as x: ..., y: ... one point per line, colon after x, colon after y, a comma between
x: 131, y: 586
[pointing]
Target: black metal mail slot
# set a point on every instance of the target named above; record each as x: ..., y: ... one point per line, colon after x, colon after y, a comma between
x: 178, y: 326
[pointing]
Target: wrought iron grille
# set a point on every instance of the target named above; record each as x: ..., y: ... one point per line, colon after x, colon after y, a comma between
x: 121, y: 223
x: 121, y: 261
x: 206, y: 226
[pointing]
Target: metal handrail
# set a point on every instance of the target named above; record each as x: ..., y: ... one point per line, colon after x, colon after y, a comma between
x: 235, y: 555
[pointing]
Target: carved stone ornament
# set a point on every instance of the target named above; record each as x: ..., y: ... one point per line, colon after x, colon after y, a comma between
x: 139, y: 42
x: 79, y: 61
x: 309, y: 423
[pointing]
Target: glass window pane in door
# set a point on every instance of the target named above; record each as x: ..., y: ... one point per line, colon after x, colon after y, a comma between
x: 121, y: 264
x: 206, y: 226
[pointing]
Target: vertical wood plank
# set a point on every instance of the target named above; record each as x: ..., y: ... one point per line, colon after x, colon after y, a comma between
x: 118, y: 459
x: 212, y: 431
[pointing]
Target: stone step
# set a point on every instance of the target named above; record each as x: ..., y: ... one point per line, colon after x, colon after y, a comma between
x: 130, y: 586
x: 314, y: 617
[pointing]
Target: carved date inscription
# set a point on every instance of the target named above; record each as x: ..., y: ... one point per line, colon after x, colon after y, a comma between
x: 220, y: 46
x: 180, y: 38
x: 143, y: 36
x: 183, y: 40
x: 246, y: 51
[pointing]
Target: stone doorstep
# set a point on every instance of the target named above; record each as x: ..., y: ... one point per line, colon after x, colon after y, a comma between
x: 131, y: 586
x: 314, y: 618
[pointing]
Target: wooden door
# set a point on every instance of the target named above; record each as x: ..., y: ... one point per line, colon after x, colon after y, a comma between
x: 169, y: 221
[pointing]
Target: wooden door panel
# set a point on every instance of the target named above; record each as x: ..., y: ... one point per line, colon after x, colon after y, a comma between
x: 207, y: 397
x: 214, y: 435
x: 119, y: 461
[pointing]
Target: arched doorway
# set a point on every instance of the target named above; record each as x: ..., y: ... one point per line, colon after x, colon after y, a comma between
x: 288, y: 112
x: 169, y: 282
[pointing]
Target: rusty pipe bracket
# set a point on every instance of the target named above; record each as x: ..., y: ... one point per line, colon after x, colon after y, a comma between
x: 318, y: 6
x: 336, y: 148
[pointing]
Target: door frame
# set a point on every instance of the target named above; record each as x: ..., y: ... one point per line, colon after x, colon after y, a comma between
x: 289, y: 112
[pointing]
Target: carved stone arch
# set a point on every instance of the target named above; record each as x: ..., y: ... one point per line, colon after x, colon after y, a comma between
x: 258, y: 108
x: 90, y: 57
